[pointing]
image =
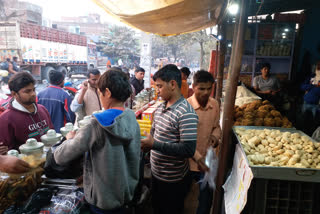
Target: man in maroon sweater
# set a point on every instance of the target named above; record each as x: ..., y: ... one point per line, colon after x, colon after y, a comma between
x: 24, y: 118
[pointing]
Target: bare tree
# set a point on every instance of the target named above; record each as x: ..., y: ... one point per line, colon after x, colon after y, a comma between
x: 4, y: 10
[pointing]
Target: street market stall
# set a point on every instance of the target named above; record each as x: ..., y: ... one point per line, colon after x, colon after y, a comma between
x: 248, y: 149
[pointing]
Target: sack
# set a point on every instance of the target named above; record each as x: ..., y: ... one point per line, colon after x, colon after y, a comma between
x: 316, y: 134
x: 72, y: 170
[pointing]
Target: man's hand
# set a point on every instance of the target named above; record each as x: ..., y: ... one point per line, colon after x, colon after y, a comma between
x: 11, y: 164
x: 213, y: 141
x: 202, y: 165
x: 3, y: 149
x: 268, y: 92
x: 147, y: 143
x: 85, y: 85
x: 70, y: 135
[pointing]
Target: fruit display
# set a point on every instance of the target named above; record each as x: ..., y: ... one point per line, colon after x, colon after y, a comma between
x: 271, y: 147
x: 18, y: 188
x: 260, y: 113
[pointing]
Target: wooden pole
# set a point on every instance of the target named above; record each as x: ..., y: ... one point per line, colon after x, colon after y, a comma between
x: 216, y: 66
x: 229, y: 100
x: 220, y: 69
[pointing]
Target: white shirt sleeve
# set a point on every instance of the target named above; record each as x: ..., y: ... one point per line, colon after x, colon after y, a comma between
x: 75, y: 106
x: 255, y: 82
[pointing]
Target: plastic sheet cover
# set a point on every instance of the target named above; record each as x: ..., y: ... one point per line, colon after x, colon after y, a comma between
x: 165, y: 17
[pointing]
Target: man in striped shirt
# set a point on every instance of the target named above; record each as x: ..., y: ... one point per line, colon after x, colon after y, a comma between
x: 172, y: 141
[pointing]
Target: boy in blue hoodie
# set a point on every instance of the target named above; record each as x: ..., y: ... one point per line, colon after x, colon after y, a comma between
x: 112, y: 145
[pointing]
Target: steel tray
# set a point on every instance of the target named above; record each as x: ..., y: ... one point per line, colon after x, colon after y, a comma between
x: 281, y: 173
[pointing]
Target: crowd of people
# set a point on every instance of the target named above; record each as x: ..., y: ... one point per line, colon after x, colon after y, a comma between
x: 111, y: 144
x: 184, y: 127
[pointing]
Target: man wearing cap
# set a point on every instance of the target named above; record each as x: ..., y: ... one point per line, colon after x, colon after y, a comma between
x: 57, y: 101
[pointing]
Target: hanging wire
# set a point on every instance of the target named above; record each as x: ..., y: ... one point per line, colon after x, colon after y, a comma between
x: 259, y: 8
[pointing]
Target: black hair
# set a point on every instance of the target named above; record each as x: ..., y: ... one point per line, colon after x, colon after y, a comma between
x: 139, y: 69
x: 266, y: 64
x: 124, y: 70
x: 56, y: 77
x: 168, y: 73
x: 186, y: 71
x: 116, y: 68
x: 202, y: 76
x: 93, y: 71
x: 8, y: 59
x: 117, y: 82
x: 20, y: 80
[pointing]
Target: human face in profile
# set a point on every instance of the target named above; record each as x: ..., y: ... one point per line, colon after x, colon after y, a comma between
x: 139, y: 75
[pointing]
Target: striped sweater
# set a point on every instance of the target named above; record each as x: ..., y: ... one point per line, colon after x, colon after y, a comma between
x: 175, y: 134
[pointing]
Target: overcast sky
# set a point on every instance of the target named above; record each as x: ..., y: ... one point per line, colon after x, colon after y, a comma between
x: 55, y: 9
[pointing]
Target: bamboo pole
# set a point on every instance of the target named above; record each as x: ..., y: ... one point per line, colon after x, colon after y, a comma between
x: 222, y: 52
x: 229, y: 100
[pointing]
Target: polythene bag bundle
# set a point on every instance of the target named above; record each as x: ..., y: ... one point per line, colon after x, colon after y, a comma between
x: 212, y: 163
x: 66, y: 201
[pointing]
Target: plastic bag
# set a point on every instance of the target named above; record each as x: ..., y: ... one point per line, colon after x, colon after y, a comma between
x: 316, y: 134
x: 40, y: 198
x: 66, y: 201
x: 212, y: 162
x: 72, y: 170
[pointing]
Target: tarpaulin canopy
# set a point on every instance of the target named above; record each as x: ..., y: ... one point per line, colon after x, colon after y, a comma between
x: 165, y: 17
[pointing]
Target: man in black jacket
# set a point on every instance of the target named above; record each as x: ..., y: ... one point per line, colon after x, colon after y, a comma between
x: 137, y: 81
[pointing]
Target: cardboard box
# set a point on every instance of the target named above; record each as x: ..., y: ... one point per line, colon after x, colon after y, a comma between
x: 148, y: 114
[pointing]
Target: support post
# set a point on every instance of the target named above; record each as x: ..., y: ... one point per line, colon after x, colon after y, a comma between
x: 229, y: 100
x: 221, y: 59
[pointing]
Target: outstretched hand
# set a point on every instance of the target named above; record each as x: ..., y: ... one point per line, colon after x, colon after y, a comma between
x: 11, y: 164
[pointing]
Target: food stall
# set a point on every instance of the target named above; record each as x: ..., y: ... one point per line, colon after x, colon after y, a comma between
x: 275, y: 191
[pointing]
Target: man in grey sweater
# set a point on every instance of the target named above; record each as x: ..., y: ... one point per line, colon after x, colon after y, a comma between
x: 112, y: 145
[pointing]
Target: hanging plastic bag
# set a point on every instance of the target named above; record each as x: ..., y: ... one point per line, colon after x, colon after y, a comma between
x: 212, y: 163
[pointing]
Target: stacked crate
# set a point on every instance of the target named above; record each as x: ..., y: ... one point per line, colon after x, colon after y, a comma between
x: 267, y: 196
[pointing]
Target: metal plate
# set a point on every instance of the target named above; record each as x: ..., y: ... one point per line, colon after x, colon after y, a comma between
x: 281, y: 173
